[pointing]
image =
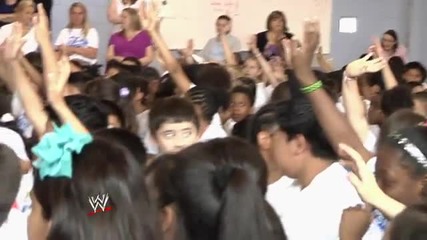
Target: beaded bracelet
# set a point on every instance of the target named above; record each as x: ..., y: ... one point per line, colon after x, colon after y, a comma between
x: 311, y: 88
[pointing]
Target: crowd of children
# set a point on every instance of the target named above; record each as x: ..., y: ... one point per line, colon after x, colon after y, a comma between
x: 218, y: 147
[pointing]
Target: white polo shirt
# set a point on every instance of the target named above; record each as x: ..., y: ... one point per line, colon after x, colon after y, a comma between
x: 315, y: 211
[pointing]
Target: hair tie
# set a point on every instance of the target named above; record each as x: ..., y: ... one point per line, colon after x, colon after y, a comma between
x: 124, y: 92
x: 55, y: 151
x: 410, y: 148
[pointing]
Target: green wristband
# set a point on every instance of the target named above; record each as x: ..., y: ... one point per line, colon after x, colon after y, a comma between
x: 311, y: 88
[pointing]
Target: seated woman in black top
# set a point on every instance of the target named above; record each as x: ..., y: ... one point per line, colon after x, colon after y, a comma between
x: 268, y: 42
x: 7, y: 10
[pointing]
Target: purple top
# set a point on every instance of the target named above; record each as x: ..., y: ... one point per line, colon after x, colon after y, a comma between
x: 130, y: 48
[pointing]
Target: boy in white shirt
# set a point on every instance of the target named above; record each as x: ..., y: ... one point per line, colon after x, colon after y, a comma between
x: 310, y: 206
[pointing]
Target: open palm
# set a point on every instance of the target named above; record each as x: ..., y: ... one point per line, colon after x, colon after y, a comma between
x: 364, y: 65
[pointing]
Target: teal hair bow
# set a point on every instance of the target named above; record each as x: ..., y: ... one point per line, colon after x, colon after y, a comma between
x: 55, y: 150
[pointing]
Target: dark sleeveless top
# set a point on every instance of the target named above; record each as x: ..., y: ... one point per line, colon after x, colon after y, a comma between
x: 6, y: 9
x: 262, y: 40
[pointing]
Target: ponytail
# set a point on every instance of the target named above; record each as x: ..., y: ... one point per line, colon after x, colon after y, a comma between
x: 243, y: 213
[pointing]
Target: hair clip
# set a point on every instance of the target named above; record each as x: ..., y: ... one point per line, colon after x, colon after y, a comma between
x: 55, y: 151
x: 124, y: 92
x: 411, y: 149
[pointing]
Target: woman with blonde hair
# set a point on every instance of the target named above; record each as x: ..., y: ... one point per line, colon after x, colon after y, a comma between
x: 78, y: 39
x: 24, y: 13
x: 132, y: 41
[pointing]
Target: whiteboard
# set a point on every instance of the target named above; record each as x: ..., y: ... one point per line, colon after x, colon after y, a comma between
x: 195, y: 19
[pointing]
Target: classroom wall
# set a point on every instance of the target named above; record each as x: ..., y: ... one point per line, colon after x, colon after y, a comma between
x: 407, y: 17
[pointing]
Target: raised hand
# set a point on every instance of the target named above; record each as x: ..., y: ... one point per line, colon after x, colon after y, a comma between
x: 56, y: 82
x: 302, y: 57
x: 150, y: 19
x: 364, y: 65
x: 13, y: 45
x: 188, y: 51
x: 362, y: 178
x: 41, y: 25
x: 252, y: 43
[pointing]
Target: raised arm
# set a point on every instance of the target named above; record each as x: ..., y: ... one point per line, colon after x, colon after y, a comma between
x: 390, y: 80
x: 266, y: 68
x: 336, y: 127
x: 112, y: 14
x: 324, y: 64
x: 150, y: 22
x: 56, y: 74
x: 353, y: 102
x: 31, y: 101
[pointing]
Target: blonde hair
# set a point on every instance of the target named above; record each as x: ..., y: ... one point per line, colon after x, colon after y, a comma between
x: 24, y: 4
x: 134, y: 17
x: 86, y: 25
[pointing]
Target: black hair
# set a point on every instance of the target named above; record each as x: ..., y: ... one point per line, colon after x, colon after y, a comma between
x: 129, y: 86
x: 224, y: 17
x: 412, y: 142
x: 245, y: 91
x: 249, y: 83
x: 399, y: 97
x: 209, y: 75
x: 410, y: 224
x: 296, y: 117
x: 171, y: 110
x: 281, y: 92
x: 218, y: 189
x: 204, y: 98
x: 129, y: 140
x: 10, y: 178
x: 102, y: 167
x: 265, y: 119
x: 103, y: 89
x: 401, y: 119
x: 166, y: 87
x: 150, y: 73
x: 397, y: 66
x: 242, y: 128
x: 110, y: 108
x: 79, y: 80
x: 393, y: 33
x: 88, y: 111
x: 418, y: 66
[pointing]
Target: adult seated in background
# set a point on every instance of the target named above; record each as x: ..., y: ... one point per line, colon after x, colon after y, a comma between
x: 116, y: 8
x: 24, y: 12
x: 392, y: 47
x: 132, y: 41
x: 214, y: 48
x: 7, y: 9
x: 78, y: 39
x: 268, y: 42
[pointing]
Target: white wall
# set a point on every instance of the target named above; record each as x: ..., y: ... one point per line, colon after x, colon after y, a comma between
x: 407, y: 17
